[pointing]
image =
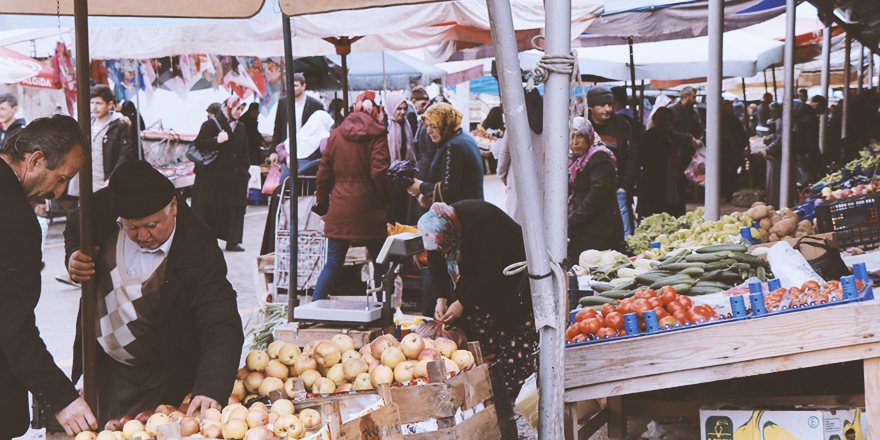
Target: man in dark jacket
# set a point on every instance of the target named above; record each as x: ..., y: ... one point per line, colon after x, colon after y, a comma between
x: 169, y: 324
x: 37, y: 163
x: 687, y: 120
x: 806, y: 140
x: 8, y: 124
x: 111, y: 136
x: 255, y: 139
x: 305, y: 106
x: 616, y: 133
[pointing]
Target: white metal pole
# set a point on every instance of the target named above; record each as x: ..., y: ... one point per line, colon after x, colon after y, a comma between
x: 826, y: 80
x: 785, y: 173
x: 713, y: 111
x: 545, y: 297
x: 861, y: 75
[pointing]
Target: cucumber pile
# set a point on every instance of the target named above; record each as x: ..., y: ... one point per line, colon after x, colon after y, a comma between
x: 710, y: 269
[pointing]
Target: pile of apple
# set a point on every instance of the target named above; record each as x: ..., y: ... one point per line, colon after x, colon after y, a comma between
x: 235, y: 422
x: 334, y: 366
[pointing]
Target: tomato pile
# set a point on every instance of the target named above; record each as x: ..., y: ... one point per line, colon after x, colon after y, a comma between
x: 809, y: 293
x: 671, y: 308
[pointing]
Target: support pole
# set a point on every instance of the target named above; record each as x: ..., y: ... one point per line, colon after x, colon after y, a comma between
x: 786, y: 159
x: 847, y: 73
x: 344, y: 82
x: 745, y: 118
x: 870, y: 83
x: 642, y: 103
x: 293, y: 283
x: 775, y: 96
x: 547, y: 301
x: 632, y: 74
x: 713, y: 111
x: 861, y: 71
x: 826, y: 80
x: 86, y: 236
x: 766, y: 89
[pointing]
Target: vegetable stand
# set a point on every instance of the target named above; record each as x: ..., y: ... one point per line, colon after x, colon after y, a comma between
x: 783, y: 342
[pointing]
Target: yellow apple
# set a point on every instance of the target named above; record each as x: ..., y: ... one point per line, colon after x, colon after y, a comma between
x: 310, y: 418
x: 353, y: 367
x: 350, y: 354
x: 278, y: 369
x: 324, y: 386
x: 270, y: 384
x: 309, y: 377
x: 343, y: 343
x: 274, y: 348
x: 289, y: 426
x: 337, y: 374
x: 234, y: 429
x: 327, y: 354
x: 392, y: 356
x: 303, y: 362
x: 362, y: 382
x: 412, y: 345
x: 381, y: 374
x: 463, y: 358
x: 256, y: 361
x: 404, y: 371
x: 282, y: 407
x: 288, y: 354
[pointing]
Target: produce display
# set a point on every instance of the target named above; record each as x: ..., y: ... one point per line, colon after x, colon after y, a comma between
x: 656, y: 225
x: 671, y: 308
x: 809, y: 293
x: 706, y: 270
x: 868, y: 161
x: 775, y: 226
x: 686, y: 232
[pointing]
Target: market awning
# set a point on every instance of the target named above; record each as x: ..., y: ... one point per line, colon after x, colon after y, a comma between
x: 369, y: 71
x: 24, y: 70
x: 152, y: 8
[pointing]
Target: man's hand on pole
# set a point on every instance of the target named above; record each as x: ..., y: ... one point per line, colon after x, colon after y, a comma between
x: 81, y: 267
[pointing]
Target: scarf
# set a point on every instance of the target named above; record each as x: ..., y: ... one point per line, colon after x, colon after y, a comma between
x: 440, y: 229
x: 584, y: 128
x: 309, y: 137
x: 400, y: 137
x: 445, y: 118
x: 228, y: 106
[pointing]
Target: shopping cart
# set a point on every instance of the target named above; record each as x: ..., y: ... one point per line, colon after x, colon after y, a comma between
x: 311, y: 244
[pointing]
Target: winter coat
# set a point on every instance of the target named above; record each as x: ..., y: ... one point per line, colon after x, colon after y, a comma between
x: 117, y: 144
x: 679, y: 111
x: 223, y: 183
x: 25, y: 363
x: 594, y: 220
x: 14, y: 127
x: 200, y: 328
x: 458, y: 166
x: 351, y: 180
x: 654, y: 186
x: 626, y: 151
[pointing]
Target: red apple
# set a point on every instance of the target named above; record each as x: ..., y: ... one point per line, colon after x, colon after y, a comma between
x: 189, y: 426
x: 412, y: 345
x: 431, y: 354
x: 144, y: 416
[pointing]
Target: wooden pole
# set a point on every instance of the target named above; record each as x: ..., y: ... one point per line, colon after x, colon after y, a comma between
x: 847, y: 65
x: 86, y: 234
x: 293, y: 280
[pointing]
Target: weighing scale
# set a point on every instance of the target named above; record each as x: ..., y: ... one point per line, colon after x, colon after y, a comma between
x: 396, y: 249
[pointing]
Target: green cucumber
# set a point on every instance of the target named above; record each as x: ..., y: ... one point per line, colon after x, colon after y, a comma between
x: 649, y: 278
x: 599, y: 286
x: 596, y: 301
x: 721, y: 264
x: 752, y: 273
x: 762, y: 274
x: 618, y: 294
x: 703, y: 290
x: 740, y: 266
x: 722, y: 247
x: 750, y: 259
x: 720, y: 285
x: 703, y: 258
x: 710, y: 275
x: 692, y: 272
x: 673, y: 280
x: 681, y: 289
x: 680, y: 266
x: 729, y: 277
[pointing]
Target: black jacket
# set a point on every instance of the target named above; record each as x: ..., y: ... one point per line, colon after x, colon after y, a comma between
x: 626, y: 152
x: 223, y: 183
x: 458, y: 166
x: 680, y: 127
x: 15, y: 127
x: 201, y: 334
x: 594, y: 220
x: 117, y: 146
x: 654, y: 189
x: 25, y: 363
x: 280, y: 134
x: 490, y: 241
x: 254, y: 137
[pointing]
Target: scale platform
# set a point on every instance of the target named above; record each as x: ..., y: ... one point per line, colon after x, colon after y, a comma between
x: 339, y: 311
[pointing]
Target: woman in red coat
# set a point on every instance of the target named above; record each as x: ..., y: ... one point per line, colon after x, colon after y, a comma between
x: 353, y: 168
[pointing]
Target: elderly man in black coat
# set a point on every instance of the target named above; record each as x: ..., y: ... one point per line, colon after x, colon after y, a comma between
x: 37, y: 163
x: 169, y: 325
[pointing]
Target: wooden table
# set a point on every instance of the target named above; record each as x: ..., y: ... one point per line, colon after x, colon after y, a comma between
x: 723, y: 351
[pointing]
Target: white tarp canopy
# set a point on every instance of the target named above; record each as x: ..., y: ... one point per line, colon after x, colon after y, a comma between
x: 393, y: 28
x: 744, y: 56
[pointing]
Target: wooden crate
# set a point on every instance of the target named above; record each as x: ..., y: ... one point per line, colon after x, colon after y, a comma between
x: 292, y: 333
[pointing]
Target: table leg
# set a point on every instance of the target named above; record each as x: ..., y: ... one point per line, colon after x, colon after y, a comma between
x: 571, y: 421
x: 616, y: 418
x: 872, y: 397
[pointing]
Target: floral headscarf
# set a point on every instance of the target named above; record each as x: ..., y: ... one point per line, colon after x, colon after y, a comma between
x: 582, y: 127
x: 228, y: 106
x: 365, y: 103
x: 445, y: 117
x: 440, y: 229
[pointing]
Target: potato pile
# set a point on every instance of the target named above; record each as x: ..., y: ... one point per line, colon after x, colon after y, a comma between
x: 775, y: 226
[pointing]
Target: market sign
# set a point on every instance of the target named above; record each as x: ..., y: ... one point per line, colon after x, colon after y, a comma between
x: 304, y: 7
x: 128, y: 8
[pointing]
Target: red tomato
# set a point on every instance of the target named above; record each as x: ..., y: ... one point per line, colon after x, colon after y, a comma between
x: 668, y: 294
x: 685, y: 301
x: 640, y: 306
x: 590, y: 325
x: 585, y: 314
x: 655, y: 302
x: 607, y: 309
x: 810, y: 285
x: 579, y: 338
x: 681, y: 316
x: 668, y: 320
x: 675, y: 306
x: 614, y: 320
x: 621, y: 333
x: 831, y: 285
x: 572, y: 332
x: 821, y: 298
x: 699, y: 312
x: 605, y: 333
x: 859, y: 284
x: 640, y: 294
x: 661, y: 313
x: 651, y: 293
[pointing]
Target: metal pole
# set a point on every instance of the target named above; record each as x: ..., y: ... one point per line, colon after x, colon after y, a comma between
x: 775, y: 96
x: 293, y: 283
x: 137, y: 123
x: 632, y: 74
x: 826, y: 80
x: 870, y: 83
x: 384, y: 80
x: 713, y: 110
x: 847, y: 65
x: 745, y: 117
x: 765, y: 81
x: 345, y: 82
x: 642, y: 103
x: 861, y: 72
x: 785, y: 173
x: 547, y: 301
x: 86, y: 234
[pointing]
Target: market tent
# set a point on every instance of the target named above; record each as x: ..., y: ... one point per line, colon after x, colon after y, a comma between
x: 369, y: 71
x: 647, y: 20
x: 744, y: 56
x: 17, y: 68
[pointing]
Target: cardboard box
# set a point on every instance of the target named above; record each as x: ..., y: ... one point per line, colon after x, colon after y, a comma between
x: 804, y: 424
x: 809, y: 252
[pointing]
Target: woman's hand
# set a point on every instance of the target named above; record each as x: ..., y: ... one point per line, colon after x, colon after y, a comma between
x: 222, y: 137
x: 414, y: 188
x: 454, y: 312
x: 440, y: 310
x: 273, y: 158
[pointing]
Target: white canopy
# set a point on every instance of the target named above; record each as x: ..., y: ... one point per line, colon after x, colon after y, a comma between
x: 744, y: 56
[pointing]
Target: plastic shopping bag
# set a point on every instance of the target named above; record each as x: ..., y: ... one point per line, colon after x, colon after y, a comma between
x: 696, y: 171
x: 434, y: 330
x: 790, y: 266
x: 272, y: 180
